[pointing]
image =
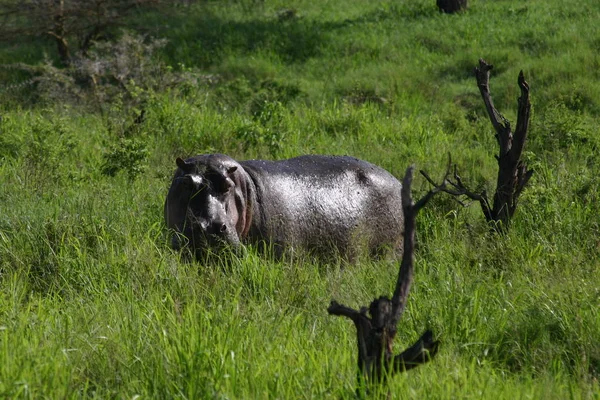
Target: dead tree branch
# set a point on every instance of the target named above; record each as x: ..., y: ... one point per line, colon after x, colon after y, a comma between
x: 375, y: 334
x: 513, y: 174
x: 457, y: 188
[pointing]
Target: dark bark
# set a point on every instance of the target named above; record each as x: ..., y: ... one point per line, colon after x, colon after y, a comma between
x: 452, y: 6
x: 62, y: 47
x: 513, y: 174
x: 88, y: 39
x: 375, y: 334
x: 59, y: 33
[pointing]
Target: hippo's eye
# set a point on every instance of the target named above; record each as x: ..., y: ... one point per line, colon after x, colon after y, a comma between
x: 192, y: 181
x: 222, y: 189
x: 220, y: 183
x: 184, y: 182
x: 192, y: 184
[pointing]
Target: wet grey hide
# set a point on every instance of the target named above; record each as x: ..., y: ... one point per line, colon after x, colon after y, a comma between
x: 324, y: 205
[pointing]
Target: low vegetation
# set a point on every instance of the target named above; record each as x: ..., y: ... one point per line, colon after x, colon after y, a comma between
x: 93, y: 303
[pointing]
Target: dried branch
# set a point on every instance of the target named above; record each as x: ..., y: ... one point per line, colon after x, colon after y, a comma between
x: 522, y: 118
x: 405, y: 276
x: 457, y: 188
x: 502, y: 128
x: 419, y: 353
x: 513, y: 174
x: 336, y: 308
x: 375, y: 334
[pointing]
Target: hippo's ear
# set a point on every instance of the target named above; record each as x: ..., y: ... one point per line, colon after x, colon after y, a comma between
x: 231, y: 170
x: 185, y: 166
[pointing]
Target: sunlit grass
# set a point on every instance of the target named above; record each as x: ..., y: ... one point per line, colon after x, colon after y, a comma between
x: 93, y: 303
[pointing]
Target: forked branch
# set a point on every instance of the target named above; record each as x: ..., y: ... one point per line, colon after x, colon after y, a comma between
x: 513, y: 174
x: 375, y: 334
x: 457, y: 188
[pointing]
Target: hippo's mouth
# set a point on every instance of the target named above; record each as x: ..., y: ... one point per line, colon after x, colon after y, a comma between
x: 202, y: 244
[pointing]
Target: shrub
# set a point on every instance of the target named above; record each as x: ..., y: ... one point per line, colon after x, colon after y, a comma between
x: 265, y: 130
x: 127, y: 70
x: 562, y: 126
x: 128, y: 155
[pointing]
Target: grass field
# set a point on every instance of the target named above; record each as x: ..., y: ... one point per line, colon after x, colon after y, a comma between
x: 93, y: 303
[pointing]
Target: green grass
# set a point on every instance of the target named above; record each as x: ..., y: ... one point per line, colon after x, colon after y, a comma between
x: 93, y: 303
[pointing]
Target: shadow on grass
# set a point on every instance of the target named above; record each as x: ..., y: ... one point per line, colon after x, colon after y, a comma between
x: 210, y: 38
x: 546, y: 340
x: 206, y: 39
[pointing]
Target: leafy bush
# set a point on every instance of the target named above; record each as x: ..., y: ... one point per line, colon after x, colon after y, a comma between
x: 266, y: 130
x: 126, y: 69
x: 128, y: 155
x: 562, y: 127
x: 45, y: 150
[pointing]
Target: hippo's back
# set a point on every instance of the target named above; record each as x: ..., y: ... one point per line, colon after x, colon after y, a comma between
x: 324, y: 203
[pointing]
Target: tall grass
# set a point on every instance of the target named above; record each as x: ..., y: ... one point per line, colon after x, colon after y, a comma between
x: 93, y: 303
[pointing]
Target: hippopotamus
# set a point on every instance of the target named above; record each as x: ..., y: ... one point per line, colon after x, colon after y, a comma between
x: 322, y: 205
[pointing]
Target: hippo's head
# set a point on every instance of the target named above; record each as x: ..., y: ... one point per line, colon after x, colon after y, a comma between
x: 207, y: 204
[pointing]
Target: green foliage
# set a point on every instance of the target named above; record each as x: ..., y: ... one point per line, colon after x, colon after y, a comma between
x: 563, y: 126
x: 93, y: 303
x: 10, y: 140
x: 127, y: 155
x: 265, y: 129
x: 124, y: 73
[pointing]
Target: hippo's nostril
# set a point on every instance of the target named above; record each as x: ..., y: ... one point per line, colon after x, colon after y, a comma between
x: 217, y: 228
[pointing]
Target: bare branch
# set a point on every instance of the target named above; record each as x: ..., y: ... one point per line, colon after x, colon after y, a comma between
x: 482, y: 75
x: 336, y: 308
x: 522, y: 119
x: 459, y: 189
x: 375, y: 335
x: 405, y: 275
x: 419, y: 353
x: 513, y: 174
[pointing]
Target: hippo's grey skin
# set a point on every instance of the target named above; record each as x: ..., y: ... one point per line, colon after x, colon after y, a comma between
x: 325, y: 205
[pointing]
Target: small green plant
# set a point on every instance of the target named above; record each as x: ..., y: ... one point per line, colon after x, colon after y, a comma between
x: 45, y: 150
x: 563, y: 127
x: 266, y: 130
x: 127, y: 155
